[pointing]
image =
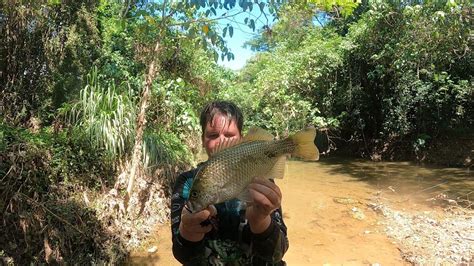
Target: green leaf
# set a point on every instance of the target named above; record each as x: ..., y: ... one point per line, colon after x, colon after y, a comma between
x: 244, y: 5
x: 54, y: 2
x: 252, y: 24
x: 213, y: 38
x: 197, y: 43
x: 224, y: 32
x: 186, y: 26
x: 231, y: 31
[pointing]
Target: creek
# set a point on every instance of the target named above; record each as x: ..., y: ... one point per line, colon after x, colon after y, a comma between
x: 325, y: 207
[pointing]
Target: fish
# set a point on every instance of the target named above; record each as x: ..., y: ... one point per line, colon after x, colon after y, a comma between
x: 234, y: 164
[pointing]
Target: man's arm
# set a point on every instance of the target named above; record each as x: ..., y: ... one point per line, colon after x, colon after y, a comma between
x: 192, y: 249
x: 272, y: 244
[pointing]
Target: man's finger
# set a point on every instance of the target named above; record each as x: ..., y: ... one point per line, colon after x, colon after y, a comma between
x: 197, y: 228
x: 194, y: 218
x: 265, y: 191
x: 212, y: 210
x: 260, y: 199
x: 269, y: 184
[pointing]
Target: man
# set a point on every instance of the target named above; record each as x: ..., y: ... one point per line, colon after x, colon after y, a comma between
x: 228, y: 233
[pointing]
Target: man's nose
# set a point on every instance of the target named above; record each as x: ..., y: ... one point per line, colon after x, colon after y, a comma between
x: 222, y: 138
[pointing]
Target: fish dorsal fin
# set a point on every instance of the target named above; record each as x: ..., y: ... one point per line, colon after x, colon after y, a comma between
x: 227, y: 143
x: 257, y: 133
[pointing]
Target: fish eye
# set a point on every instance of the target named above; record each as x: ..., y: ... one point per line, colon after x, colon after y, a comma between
x: 194, y: 194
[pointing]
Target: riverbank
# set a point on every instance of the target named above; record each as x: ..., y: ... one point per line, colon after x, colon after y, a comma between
x: 447, y: 150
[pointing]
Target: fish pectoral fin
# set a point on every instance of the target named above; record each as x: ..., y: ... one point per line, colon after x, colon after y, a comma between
x: 256, y: 133
x: 245, y: 196
x: 278, y: 170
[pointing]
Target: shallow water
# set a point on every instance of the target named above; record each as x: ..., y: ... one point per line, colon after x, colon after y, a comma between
x: 325, y: 209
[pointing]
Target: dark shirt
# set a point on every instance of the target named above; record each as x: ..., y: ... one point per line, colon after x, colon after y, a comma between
x: 230, y: 242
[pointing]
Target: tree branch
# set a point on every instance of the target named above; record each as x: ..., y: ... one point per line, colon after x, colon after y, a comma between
x: 206, y: 20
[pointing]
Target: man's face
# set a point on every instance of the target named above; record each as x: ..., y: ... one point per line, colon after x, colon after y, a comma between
x: 219, y: 129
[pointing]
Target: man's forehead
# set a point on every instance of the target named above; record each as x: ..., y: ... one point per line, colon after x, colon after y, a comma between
x: 220, y: 121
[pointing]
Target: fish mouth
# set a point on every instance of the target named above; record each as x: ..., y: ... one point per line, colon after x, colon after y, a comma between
x: 189, y: 206
x: 193, y: 206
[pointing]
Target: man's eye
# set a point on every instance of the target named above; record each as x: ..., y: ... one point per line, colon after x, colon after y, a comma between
x: 212, y: 136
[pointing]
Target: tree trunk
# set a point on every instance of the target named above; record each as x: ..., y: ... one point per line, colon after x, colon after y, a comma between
x: 141, y: 120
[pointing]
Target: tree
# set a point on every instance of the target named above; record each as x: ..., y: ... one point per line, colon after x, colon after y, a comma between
x: 195, y: 20
x: 45, y: 51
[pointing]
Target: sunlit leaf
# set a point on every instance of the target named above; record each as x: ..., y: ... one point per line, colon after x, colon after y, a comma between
x: 205, y: 29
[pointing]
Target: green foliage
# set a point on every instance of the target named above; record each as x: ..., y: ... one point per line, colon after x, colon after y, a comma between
x: 392, y: 71
x: 45, y: 50
x: 163, y: 149
x: 339, y: 7
x: 36, y: 202
x: 105, y: 115
x: 68, y: 157
x: 195, y: 20
x: 287, y: 82
x: 75, y: 161
x: 416, y: 77
x: 174, y: 107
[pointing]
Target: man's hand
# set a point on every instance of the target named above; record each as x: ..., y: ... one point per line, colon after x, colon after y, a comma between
x: 190, y: 227
x: 266, y: 197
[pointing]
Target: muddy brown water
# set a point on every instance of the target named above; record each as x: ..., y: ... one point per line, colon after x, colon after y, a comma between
x: 325, y: 210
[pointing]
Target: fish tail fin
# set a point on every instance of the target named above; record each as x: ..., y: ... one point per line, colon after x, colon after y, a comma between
x: 305, y: 147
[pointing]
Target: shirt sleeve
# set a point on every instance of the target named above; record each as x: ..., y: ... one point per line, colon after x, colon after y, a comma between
x: 272, y: 244
x: 186, y: 252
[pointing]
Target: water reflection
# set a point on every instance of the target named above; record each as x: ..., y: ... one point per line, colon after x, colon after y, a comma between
x: 404, y: 178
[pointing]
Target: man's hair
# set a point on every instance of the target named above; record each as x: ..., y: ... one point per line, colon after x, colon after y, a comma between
x: 227, y: 108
